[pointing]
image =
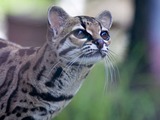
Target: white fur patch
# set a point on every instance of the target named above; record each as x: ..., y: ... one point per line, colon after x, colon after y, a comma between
x: 77, y: 27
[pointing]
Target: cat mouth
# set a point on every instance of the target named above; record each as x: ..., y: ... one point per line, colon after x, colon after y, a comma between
x: 96, y: 53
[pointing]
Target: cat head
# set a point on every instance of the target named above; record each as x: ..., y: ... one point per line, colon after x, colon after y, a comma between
x: 80, y: 39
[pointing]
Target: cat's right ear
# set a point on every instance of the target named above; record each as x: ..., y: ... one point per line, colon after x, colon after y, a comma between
x: 57, y: 18
x: 105, y: 18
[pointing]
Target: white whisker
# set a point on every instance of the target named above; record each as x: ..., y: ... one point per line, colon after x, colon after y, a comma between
x: 67, y: 67
x: 111, y: 72
x: 78, y: 70
x: 53, y: 66
x: 106, y: 75
x: 112, y: 57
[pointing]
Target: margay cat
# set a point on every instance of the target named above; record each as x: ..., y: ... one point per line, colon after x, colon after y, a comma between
x: 37, y: 83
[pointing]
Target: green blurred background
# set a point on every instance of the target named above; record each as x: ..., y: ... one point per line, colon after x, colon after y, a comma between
x: 135, y: 42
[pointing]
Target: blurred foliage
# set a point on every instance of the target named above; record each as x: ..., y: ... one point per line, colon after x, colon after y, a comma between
x: 122, y: 103
x: 31, y: 7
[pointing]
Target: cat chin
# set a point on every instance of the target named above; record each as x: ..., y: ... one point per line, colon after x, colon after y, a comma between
x: 84, y: 59
x: 90, y: 60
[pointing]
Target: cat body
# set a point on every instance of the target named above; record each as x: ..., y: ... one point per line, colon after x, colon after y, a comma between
x: 36, y: 83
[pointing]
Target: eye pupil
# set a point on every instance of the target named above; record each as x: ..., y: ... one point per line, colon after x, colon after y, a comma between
x: 105, y: 35
x: 81, y: 34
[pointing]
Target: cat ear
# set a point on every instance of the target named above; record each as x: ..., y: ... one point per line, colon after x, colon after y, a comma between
x: 57, y: 18
x: 105, y: 18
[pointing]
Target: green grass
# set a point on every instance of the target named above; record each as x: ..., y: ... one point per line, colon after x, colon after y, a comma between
x: 122, y: 103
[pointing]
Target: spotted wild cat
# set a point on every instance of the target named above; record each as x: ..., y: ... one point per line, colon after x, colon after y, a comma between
x: 37, y: 83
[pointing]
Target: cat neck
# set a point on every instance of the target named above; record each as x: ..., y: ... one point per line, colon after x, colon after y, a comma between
x: 54, y: 75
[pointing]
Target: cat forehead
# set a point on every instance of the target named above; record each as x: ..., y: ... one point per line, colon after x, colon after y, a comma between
x: 90, y: 24
x: 83, y: 20
x: 87, y: 23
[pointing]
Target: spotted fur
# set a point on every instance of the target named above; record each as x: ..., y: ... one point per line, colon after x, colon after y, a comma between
x: 37, y: 83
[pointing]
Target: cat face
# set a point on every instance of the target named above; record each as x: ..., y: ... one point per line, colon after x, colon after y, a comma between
x: 81, y: 39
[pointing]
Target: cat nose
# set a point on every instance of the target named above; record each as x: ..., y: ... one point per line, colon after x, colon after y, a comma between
x: 99, y: 43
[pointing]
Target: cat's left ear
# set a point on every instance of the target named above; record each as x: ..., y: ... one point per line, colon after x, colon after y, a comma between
x: 105, y: 18
x: 57, y: 18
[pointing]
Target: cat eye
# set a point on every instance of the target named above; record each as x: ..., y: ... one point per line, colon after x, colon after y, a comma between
x: 81, y: 34
x: 105, y: 35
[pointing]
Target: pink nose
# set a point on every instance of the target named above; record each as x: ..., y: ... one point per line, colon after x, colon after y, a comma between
x: 99, y: 43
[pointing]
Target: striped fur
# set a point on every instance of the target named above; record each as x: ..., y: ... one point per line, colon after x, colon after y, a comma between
x: 37, y: 83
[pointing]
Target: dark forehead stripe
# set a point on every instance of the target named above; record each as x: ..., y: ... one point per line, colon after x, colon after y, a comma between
x: 99, y: 24
x: 84, y: 19
x: 82, y: 23
x: 87, y: 18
